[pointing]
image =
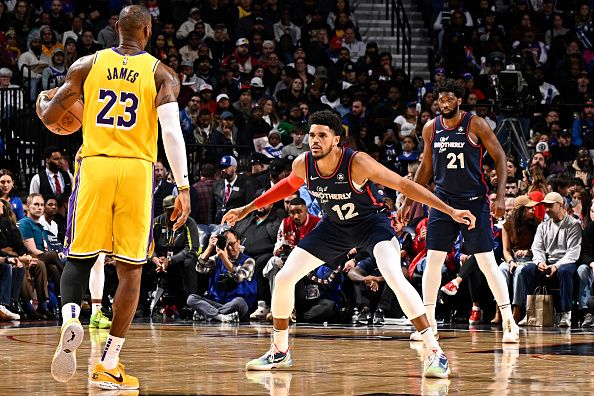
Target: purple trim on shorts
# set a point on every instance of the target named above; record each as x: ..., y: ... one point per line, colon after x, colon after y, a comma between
x: 72, y: 210
x: 117, y: 51
x: 150, y: 238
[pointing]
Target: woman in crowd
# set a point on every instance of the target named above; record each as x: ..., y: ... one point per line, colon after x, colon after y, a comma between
x: 7, y: 193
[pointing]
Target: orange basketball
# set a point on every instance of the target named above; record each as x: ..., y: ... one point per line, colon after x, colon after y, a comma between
x: 70, y: 122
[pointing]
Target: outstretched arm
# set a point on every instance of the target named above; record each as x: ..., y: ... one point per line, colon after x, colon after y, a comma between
x: 53, y: 104
x: 365, y: 167
x: 280, y: 190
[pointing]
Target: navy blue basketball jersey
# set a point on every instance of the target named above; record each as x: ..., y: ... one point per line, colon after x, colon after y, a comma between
x: 340, y: 200
x: 457, y: 160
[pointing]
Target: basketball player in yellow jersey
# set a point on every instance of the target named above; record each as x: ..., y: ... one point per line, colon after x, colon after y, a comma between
x: 125, y: 91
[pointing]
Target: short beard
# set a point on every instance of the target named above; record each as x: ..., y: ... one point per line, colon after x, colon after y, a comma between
x: 451, y: 114
x: 322, y: 155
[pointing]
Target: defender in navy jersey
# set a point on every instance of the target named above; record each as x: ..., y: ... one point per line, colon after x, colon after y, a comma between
x: 454, y: 145
x: 343, y: 181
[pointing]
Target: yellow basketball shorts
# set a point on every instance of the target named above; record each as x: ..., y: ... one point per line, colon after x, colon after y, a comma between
x: 110, y: 209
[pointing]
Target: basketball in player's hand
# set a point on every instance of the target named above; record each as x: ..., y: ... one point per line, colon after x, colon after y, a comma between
x: 71, y: 121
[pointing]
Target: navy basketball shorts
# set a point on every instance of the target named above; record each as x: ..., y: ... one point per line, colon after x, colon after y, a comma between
x: 442, y: 230
x: 331, y: 242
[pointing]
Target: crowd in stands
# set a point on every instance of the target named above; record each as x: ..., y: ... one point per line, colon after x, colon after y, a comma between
x: 251, y: 72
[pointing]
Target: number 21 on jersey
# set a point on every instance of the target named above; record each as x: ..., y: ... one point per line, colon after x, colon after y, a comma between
x: 455, y: 161
x: 127, y: 120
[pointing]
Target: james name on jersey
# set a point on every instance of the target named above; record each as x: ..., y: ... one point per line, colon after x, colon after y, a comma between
x: 124, y: 74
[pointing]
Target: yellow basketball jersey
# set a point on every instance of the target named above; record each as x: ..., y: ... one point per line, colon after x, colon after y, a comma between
x: 120, y: 118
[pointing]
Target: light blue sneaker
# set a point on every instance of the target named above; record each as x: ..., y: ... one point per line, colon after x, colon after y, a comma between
x: 273, y: 359
x: 437, y: 366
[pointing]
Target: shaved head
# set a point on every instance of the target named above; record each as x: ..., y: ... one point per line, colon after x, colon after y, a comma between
x: 133, y: 19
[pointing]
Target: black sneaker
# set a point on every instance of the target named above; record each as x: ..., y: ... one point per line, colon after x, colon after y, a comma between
x: 378, y: 317
x: 364, y: 317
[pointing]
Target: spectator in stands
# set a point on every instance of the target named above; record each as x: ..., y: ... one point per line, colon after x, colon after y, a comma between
x: 176, y: 252
x: 36, y: 242
x: 517, y: 235
x: 11, y: 97
x: 55, y: 74
x: 204, y: 189
x: 292, y: 229
x: 585, y: 271
x: 274, y: 147
x: 75, y: 32
x: 9, y: 50
x: 408, y: 121
x: 86, y: 44
x: 258, y: 233
x: 223, y: 137
x: 70, y: 53
x: 232, y: 286
x: 54, y: 234
x: 583, y: 127
x: 108, y: 36
x: 13, y: 252
x: 162, y: 187
x: 7, y: 193
x: 297, y: 146
x: 555, y: 251
x: 52, y: 180
x: 36, y: 61
x: 318, y: 296
x: 58, y: 17
x: 189, y: 118
x: 232, y: 191
x: 356, y: 47
x: 189, y: 52
x: 286, y: 27
x: 245, y: 61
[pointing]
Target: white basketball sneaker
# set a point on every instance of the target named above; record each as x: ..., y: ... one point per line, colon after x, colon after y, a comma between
x: 511, y: 332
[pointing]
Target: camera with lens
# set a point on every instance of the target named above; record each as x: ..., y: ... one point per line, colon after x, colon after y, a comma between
x: 221, y: 241
x: 512, y: 96
x: 226, y: 282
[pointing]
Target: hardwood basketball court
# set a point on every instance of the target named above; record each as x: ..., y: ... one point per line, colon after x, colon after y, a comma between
x: 183, y: 357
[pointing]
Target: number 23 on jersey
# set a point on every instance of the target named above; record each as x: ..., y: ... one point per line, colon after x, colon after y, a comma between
x: 126, y: 107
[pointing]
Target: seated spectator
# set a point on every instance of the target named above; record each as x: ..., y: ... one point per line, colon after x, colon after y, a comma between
x: 585, y: 271
x: 555, y: 251
x: 35, y: 61
x: 7, y: 193
x: 222, y: 138
x: 292, y: 229
x: 317, y: 295
x: 12, y: 99
x: 108, y: 37
x: 38, y: 245
x: 297, y: 146
x: 176, y: 253
x: 13, y: 263
x: 258, y: 233
x: 517, y: 234
x: 203, y: 188
x: 372, y: 297
x: 274, y: 147
x: 86, y: 44
x: 232, y: 287
x: 55, y: 74
x: 51, y: 227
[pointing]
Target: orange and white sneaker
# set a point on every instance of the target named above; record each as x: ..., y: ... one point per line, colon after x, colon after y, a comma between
x: 112, y: 379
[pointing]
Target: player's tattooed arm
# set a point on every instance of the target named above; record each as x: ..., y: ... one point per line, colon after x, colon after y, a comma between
x: 168, y: 85
x: 53, y: 104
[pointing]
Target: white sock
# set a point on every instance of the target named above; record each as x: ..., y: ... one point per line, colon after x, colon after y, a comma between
x: 432, y: 281
x: 69, y: 311
x: 430, y: 342
x: 280, y: 338
x: 95, y: 307
x: 111, y: 352
x: 487, y: 263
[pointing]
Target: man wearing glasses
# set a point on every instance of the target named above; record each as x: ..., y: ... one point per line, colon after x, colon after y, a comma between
x: 232, y: 288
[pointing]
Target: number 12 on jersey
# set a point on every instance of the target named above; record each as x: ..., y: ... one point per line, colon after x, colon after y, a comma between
x: 349, y: 208
x: 455, y: 161
x: 127, y: 99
